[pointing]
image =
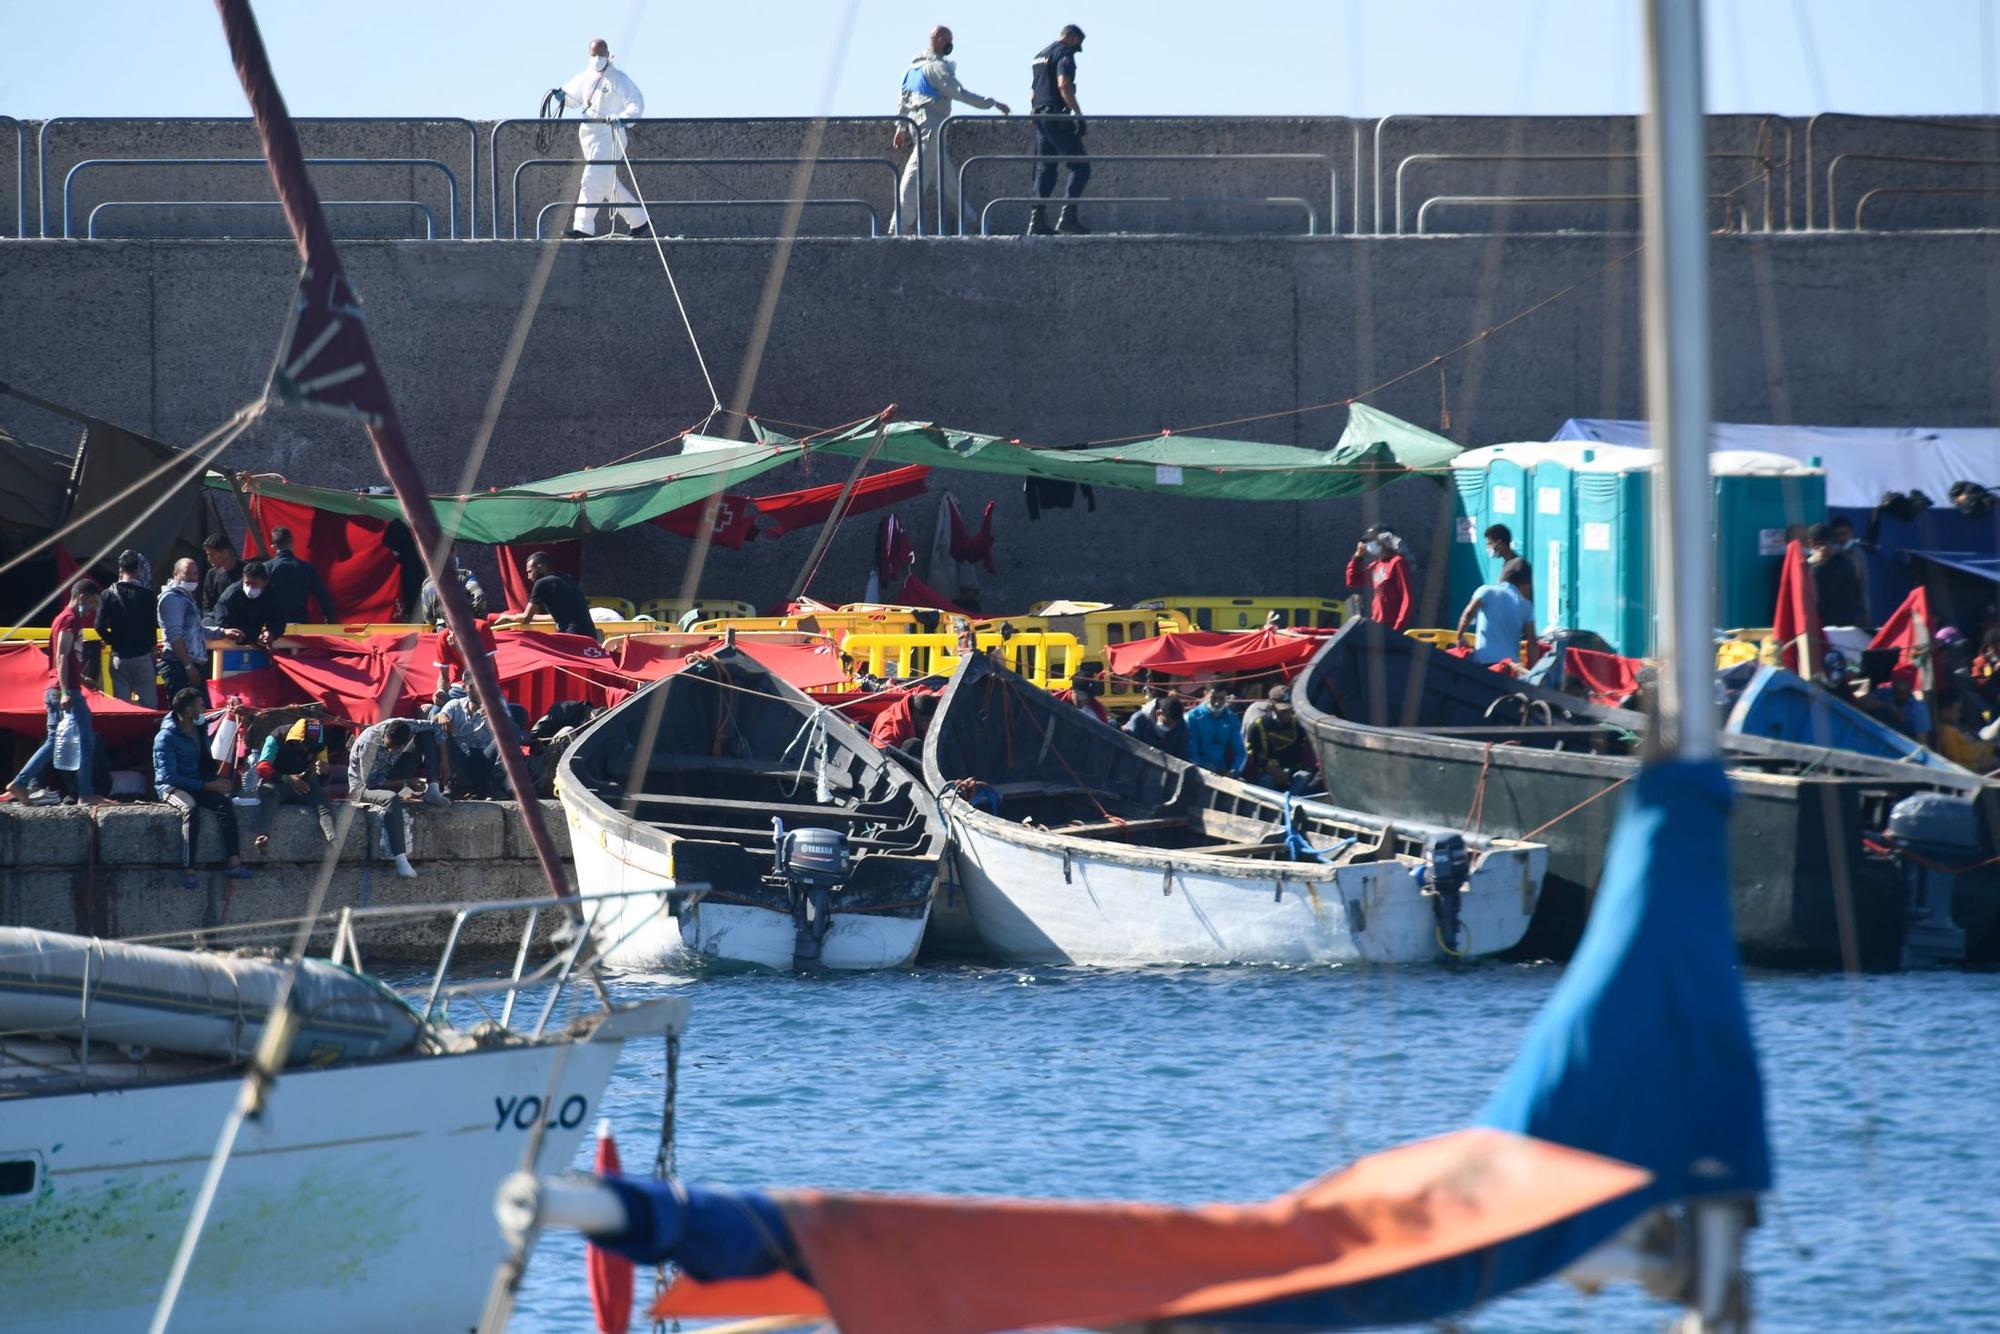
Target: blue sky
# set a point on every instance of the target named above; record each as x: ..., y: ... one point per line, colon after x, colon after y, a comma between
x: 777, y: 57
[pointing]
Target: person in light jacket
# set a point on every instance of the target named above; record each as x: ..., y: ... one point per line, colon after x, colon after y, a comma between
x: 606, y: 98
x: 930, y: 86
x: 180, y: 780
x: 185, y: 657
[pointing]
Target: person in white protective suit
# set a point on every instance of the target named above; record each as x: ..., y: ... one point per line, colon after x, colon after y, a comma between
x: 607, y: 98
x: 930, y: 86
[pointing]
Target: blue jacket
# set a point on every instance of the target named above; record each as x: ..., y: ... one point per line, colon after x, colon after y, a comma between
x: 1215, y: 739
x: 176, y: 759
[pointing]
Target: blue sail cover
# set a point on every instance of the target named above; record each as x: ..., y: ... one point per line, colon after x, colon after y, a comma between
x: 1642, y: 1054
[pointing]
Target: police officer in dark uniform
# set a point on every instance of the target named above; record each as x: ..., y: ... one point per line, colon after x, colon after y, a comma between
x: 1060, y: 140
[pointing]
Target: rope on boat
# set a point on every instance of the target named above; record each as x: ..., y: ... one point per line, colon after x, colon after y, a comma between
x: 817, y: 743
x: 1601, y: 792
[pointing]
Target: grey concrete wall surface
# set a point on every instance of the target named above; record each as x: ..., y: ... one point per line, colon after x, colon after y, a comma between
x: 115, y: 872
x: 1052, y: 341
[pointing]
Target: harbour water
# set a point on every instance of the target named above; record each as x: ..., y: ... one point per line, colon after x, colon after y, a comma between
x: 1195, y: 1085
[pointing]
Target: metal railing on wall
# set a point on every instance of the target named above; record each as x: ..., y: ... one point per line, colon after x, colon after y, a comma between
x: 306, y: 125
x: 1099, y: 159
x: 1732, y: 206
x: 1926, y: 191
x: 943, y: 136
x: 1989, y: 167
x: 127, y: 205
x: 888, y: 124
x: 20, y: 174
x: 98, y: 163
x: 1818, y: 125
x: 668, y: 205
x: 1774, y: 163
x: 514, y: 186
x: 1228, y: 201
x: 1414, y: 159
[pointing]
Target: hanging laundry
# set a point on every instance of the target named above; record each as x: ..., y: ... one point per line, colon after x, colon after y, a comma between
x: 1042, y: 493
x: 970, y: 548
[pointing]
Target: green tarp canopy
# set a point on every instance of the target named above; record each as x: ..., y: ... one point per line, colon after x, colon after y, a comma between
x: 593, y: 500
x: 1374, y: 450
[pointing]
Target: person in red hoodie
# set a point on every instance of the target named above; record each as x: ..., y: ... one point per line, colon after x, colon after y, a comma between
x: 1378, y: 564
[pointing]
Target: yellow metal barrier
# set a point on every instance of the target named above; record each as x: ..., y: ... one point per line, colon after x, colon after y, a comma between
x: 670, y: 610
x: 1048, y: 660
x: 1218, y: 613
x: 39, y: 634
x: 623, y: 606
x: 1097, y: 629
x: 886, y: 620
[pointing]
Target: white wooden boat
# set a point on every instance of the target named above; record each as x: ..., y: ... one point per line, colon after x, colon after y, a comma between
x: 792, y: 841
x: 359, y: 1199
x: 1076, y: 843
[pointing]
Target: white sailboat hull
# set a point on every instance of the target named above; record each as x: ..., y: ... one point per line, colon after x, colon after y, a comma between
x: 362, y: 1199
x: 1105, y: 905
x: 643, y: 934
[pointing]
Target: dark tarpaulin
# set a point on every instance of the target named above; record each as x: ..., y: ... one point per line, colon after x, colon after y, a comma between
x: 111, y: 458
x: 34, y: 488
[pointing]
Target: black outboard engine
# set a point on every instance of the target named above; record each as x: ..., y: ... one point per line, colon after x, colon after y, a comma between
x: 1934, y: 835
x: 1450, y: 868
x: 811, y: 864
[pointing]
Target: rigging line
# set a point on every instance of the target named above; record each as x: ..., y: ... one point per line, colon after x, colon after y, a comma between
x: 238, y: 422
x: 839, y: 511
x: 660, y: 249
x: 774, y: 281
x: 199, y: 465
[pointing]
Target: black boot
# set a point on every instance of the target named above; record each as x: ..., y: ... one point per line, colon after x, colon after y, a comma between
x: 1069, y: 224
x: 1038, y: 222
x: 574, y: 235
x: 643, y: 231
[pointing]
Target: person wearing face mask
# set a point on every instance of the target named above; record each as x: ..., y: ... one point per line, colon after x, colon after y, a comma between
x: 129, y: 621
x: 606, y: 98
x: 66, y: 695
x: 184, y: 662
x: 930, y: 86
x: 180, y: 780
x: 1500, y: 549
x: 244, y: 614
x: 1846, y: 547
x: 1378, y: 565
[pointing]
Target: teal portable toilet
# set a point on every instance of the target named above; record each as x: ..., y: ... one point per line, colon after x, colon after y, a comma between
x: 1757, y: 497
x: 1613, y: 560
x: 1464, y: 571
x: 1549, y: 542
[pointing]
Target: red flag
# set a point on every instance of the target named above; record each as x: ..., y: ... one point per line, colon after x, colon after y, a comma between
x: 1795, y: 626
x: 1911, y: 629
x: 610, y: 1275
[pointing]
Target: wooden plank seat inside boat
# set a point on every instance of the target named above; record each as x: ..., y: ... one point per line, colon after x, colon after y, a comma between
x: 1570, y: 734
x: 731, y: 834
x: 1122, y: 828
x: 809, y: 810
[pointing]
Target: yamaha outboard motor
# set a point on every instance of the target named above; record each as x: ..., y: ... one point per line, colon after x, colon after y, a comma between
x: 1449, y: 870
x: 811, y: 864
x: 1935, y: 836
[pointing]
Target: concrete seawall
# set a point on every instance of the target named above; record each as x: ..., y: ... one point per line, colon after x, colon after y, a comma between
x: 116, y: 872
x: 1058, y: 342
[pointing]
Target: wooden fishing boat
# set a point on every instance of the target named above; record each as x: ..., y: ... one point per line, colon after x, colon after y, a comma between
x: 1075, y: 843
x: 1405, y: 730
x: 797, y: 843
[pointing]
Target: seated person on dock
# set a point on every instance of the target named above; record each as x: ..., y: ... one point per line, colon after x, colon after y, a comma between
x: 903, y: 724
x: 555, y: 596
x: 245, y: 614
x: 1279, y: 754
x: 1215, y: 738
x: 181, y: 780
x: 290, y: 768
x: 1162, y: 723
x: 383, y: 760
x: 1504, y: 614
x: 476, y: 766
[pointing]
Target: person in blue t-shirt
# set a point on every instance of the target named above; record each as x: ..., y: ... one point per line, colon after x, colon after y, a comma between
x: 1505, y: 615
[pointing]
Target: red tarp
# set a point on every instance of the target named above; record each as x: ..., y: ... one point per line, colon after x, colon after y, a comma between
x: 958, y: 1264
x: 352, y: 677
x: 363, y: 575
x: 1609, y: 678
x: 1212, y: 653
x: 739, y: 519
x: 1911, y: 629
x: 1796, y: 625
x: 731, y: 526
x: 25, y: 676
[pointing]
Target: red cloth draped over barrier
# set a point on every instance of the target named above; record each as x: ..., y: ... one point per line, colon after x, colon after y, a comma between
x: 916, y: 593
x: 567, y: 557
x: 1796, y: 624
x: 1213, y: 653
x: 1609, y: 678
x: 361, y: 573
x: 1911, y: 629
x: 24, y: 678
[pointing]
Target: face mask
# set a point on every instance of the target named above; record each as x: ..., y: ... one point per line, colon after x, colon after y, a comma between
x: 250, y: 592
x: 947, y: 49
x: 1374, y: 548
x: 600, y: 63
x: 186, y: 585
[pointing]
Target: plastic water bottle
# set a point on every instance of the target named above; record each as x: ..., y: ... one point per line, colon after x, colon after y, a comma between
x: 69, y: 743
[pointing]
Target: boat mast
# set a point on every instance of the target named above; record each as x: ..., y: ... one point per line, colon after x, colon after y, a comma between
x: 1673, y: 137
